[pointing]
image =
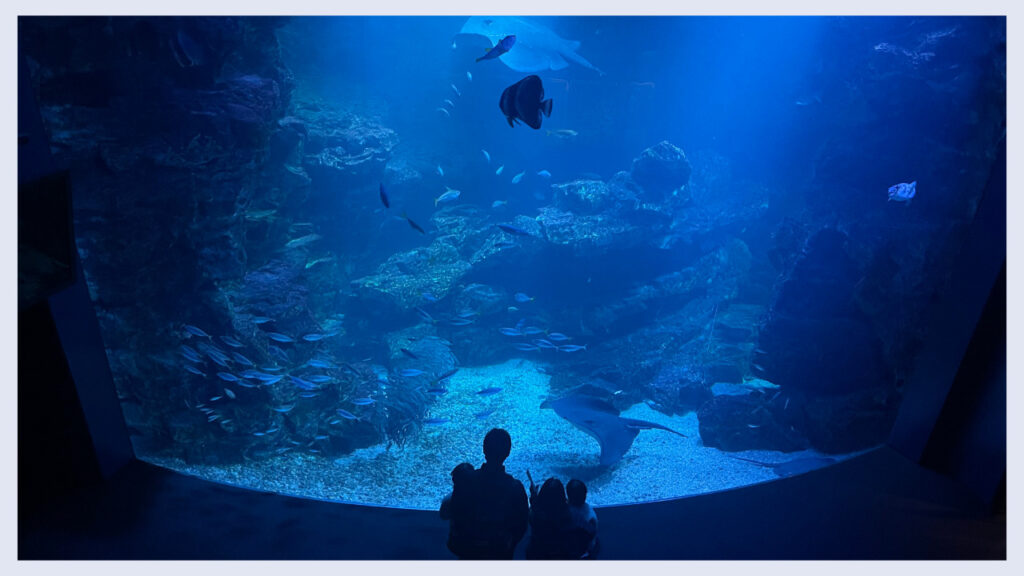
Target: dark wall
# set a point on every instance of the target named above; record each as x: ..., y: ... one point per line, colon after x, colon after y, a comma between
x: 55, y: 452
x: 969, y: 440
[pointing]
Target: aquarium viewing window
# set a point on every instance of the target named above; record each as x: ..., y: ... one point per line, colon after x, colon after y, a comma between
x: 669, y: 255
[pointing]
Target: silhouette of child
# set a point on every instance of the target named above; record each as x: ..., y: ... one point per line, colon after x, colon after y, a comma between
x: 584, y: 519
x: 549, y: 522
x: 460, y: 477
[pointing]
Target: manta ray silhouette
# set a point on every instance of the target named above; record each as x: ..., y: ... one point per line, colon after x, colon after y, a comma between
x: 536, y: 48
x: 602, y: 421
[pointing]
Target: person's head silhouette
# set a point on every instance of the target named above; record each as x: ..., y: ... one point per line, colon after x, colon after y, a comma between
x: 497, y: 446
x: 576, y: 491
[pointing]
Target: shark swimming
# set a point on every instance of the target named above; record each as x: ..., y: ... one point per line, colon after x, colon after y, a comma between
x: 602, y: 421
x: 536, y: 48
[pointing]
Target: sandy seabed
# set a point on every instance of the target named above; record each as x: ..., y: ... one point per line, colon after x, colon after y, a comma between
x: 660, y: 465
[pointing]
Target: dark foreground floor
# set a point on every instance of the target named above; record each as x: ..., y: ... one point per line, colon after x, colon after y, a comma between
x: 877, y: 506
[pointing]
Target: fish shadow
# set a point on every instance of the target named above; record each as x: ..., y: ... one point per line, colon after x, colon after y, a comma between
x: 580, y: 472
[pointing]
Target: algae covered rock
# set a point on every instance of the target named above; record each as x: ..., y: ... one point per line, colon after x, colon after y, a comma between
x: 661, y: 169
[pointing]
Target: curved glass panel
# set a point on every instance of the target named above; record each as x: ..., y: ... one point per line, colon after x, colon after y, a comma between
x: 669, y: 255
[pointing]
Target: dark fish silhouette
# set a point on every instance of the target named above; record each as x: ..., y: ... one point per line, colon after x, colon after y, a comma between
x: 602, y: 421
x: 524, y: 101
x: 514, y: 230
x: 414, y: 225
x: 384, y: 197
x: 500, y: 48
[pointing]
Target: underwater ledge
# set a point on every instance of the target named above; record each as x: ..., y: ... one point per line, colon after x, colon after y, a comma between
x: 876, y: 506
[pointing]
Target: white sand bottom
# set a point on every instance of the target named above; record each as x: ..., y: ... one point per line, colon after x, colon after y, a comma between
x: 660, y: 465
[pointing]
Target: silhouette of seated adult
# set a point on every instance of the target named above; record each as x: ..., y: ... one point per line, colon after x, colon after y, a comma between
x: 550, y: 523
x: 488, y: 507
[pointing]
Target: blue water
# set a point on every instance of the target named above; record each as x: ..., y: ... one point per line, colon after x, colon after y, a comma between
x: 714, y: 250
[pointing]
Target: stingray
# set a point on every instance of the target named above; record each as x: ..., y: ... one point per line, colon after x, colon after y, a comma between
x: 602, y: 421
x: 791, y: 467
x: 536, y: 48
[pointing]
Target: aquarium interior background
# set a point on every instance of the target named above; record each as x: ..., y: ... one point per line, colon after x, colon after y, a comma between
x: 701, y: 236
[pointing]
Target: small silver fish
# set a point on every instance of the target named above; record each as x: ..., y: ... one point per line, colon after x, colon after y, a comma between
x: 231, y: 341
x: 440, y: 171
x: 469, y: 75
x: 196, y: 331
x: 499, y: 170
x: 454, y: 88
x: 518, y: 177
x: 229, y: 393
x: 544, y: 174
x: 194, y: 370
x: 498, y: 203
x: 302, y: 241
x: 486, y: 155
x: 446, y: 113
x: 449, y: 196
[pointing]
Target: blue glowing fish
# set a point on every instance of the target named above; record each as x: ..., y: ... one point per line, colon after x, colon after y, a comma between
x: 504, y: 45
x: 903, y: 192
x: 196, y: 331
x: 190, y: 353
x: 572, y: 348
x: 522, y: 298
x: 231, y: 341
x: 194, y: 370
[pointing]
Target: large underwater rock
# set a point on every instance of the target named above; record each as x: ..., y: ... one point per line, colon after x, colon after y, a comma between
x: 816, y: 342
x: 342, y: 150
x: 163, y: 123
x: 815, y: 339
x: 754, y: 421
x: 661, y: 169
